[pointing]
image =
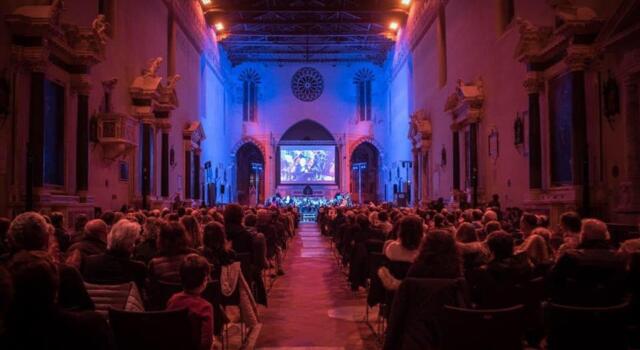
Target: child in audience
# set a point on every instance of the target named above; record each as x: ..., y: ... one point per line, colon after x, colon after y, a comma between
x: 194, y: 274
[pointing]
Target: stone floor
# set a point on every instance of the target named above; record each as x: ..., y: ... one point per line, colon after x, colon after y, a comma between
x: 311, y: 307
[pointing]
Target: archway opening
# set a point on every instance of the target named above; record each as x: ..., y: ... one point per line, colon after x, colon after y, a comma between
x: 365, y: 173
x: 250, y: 175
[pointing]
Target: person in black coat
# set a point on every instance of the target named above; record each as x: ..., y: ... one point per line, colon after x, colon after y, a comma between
x: 36, y: 321
x: 240, y: 238
x: 116, y: 266
x: 93, y: 242
x: 30, y: 232
x: 592, y: 275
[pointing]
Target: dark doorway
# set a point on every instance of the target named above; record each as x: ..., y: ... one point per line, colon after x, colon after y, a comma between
x: 368, y: 154
x: 250, y: 177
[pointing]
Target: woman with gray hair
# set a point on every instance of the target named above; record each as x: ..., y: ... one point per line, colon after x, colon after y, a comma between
x: 116, y: 265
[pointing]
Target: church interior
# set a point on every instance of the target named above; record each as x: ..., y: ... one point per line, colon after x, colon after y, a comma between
x: 331, y: 133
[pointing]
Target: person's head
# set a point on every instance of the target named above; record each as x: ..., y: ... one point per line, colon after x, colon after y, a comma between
x: 489, y: 215
x: 214, y: 236
x: 250, y: 220
x: 193, y: 230
x: 476, y: 214
x: 466, y: 233
x: 594, y: 230
x: 439, y: 221
x: 152, y: 228
x: 363, y: 221
x: 383, y: 216
x: 79, y: 223
x: 28, y: 231
x: 439, y: 253
x: 495, y: 197
x: 96, y: 229
x: 570, y: 222
x: 172, y: 239
x: 57, y: 219
x: 108, y: 217
x: 194, y: 273
x: 123, y: 236
x: 528, y: 222
x: 500, y: 244
x: 411, y: 232
x: 233, y: 214
x: 492, y: 226
x: 35, y: 281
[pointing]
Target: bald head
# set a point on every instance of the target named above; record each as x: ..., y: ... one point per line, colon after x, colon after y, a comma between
x: 97, y: 228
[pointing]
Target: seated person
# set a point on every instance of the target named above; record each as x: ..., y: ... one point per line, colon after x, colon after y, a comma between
x: 537, y: 247
x: 569, y: 233
x: 593, y: 274
x: 216, y: 249
x: 474, y: 253
x: 439, y: 257
x: 30, y: 232
x: 37, y: 321
x: 194, y: 276
x: 172, y: 248
x: 405, y: 248
x: 116, y: 265
x: 492, y: 284
x: 148, y: 248
x: 92, y: 242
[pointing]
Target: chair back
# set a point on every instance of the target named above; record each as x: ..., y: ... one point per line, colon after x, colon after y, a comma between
x: 162, y: 330
x: 489, y: 329
x: 160, y: 293
x: 574, y: 327
x: 117, y: 296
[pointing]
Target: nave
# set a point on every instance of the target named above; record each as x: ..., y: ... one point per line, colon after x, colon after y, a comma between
x: 312, y: 307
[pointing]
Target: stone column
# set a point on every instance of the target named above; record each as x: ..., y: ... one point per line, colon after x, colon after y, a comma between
x: 35, y: 144
x: 196, y: 174
x: 473, y: 163
x: 534, y: 84
x: 578, y: 57
x: 164, y: 164
x: 630, y: 187
x: 187, y: 174
x: 147, y: 134
x: 82, y: 88
x: 456, y: 160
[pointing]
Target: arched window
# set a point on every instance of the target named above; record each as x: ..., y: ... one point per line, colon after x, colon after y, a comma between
x: 250, y: 81
x: 363, y: 81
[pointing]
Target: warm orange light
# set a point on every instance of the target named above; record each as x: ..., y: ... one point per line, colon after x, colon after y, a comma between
x: 219, y: 27
x: 394, y: 25
x: 405, y: 2
x: 205, y: 2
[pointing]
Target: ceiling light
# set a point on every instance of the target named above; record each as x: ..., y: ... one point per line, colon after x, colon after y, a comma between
x: 219, y: 27
x: 208, y: 2
x: 394, y: 25
x: 403, y: 2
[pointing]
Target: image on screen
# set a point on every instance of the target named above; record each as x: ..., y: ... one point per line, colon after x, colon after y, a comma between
x: 307, y: 164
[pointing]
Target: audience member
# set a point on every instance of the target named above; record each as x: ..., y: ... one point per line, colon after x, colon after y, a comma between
x: 116, y: 265
x: 194, y: 276
x: 405, y: 248
x: 92, y: 242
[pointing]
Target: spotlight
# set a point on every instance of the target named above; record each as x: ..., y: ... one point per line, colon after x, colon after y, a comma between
x: 394, y: 25
x: 403, y: 2
x: 219, y: 26
x: 208, y: 2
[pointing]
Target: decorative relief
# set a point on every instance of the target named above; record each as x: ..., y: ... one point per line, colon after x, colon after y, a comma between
x: 466, y: 104
x: 307, y: 84
x: 420, y: 131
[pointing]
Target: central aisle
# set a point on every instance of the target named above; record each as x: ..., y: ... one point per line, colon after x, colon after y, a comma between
x: 312, y: 306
